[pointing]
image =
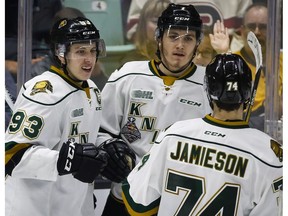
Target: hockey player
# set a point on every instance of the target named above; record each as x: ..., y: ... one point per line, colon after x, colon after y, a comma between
x: 214, y: 165
x: 144, y: 97
x: 51, y: 159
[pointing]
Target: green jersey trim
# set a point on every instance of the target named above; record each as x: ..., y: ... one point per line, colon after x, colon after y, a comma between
x: 135, y: 208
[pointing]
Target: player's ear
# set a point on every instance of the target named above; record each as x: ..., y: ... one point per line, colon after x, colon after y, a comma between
x: 62, y: 59
x: 157, y: 34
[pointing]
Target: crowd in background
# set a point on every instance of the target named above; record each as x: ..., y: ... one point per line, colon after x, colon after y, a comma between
x: 139, y: 19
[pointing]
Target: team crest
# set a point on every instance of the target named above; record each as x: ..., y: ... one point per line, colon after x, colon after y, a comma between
x: 42, y: 86
x: 130, y: 130
x: 62, y: 24
x: 277, y: 149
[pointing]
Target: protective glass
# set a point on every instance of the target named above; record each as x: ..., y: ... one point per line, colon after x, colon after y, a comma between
x: 183, y: 33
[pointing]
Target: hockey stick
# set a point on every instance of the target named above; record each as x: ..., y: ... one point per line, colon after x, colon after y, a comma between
x: 8, y: 99
x: 256, y: 49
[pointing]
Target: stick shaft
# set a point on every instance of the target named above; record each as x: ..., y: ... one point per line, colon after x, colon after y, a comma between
x: 256, y: 49
x: 253, y: 94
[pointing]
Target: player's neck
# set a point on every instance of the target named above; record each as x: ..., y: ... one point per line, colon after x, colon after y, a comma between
x: 169, y: 73
x: 224, y: 115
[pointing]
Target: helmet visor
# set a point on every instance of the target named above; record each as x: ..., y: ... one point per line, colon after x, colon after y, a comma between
x: 177, y: 33
x: 83, y: 49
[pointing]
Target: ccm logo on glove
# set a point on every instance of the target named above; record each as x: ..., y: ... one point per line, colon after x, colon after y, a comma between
x: 70, y: 156
x: 84, y: 161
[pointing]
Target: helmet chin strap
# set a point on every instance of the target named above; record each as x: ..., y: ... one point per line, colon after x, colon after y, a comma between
x: 76, y: 80
x: 64, y: 67
x: 180, y: 69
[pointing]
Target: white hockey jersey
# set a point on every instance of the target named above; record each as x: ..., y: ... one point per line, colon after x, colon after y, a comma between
x: 138, y: 103
x: 49, y: 110
x: 207, y: 167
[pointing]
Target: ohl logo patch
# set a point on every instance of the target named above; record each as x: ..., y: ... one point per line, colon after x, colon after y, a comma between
x: 142, y: 94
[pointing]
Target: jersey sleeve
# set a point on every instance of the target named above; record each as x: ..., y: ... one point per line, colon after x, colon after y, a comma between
x: 34, y: 131
x: 269, y: 180
x: 142, y: 190
x: 270, y: 196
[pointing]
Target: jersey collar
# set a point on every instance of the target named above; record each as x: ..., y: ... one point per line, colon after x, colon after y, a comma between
x: 226, y: 124
x: 72, y: 82
x: 169, y: 80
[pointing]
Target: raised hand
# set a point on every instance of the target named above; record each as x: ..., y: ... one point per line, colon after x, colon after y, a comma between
x: 220, y: 38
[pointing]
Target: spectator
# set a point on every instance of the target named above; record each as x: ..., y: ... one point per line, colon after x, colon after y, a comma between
x: 144, y: 97
x: 205, y: 51
x: 144, y: 40
x: 214, y: 165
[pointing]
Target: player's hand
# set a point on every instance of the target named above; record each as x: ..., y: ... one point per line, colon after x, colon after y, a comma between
x: 220, y: 38
x: 121, y: 161
x: 84, y: 161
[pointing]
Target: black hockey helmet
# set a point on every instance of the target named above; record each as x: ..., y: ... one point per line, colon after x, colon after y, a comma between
x: 76, y: 30
x: 180, y: 16
x: 228, y: 79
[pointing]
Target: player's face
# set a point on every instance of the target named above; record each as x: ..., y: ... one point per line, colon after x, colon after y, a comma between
x: 204, y: 53
x: 177, y: 47
x: 81, y: 60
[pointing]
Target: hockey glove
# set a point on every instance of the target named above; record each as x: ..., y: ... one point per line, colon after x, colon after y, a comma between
x: 121, y: 161
x: 84, y: 161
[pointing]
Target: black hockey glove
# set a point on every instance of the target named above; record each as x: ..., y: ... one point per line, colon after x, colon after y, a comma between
x: 121, y: 161
x: 84, y: 161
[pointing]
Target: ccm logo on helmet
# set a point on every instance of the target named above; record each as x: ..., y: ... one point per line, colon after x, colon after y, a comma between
x: 88, y: 32
x: 182, y: 18
x: 70, y: 156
